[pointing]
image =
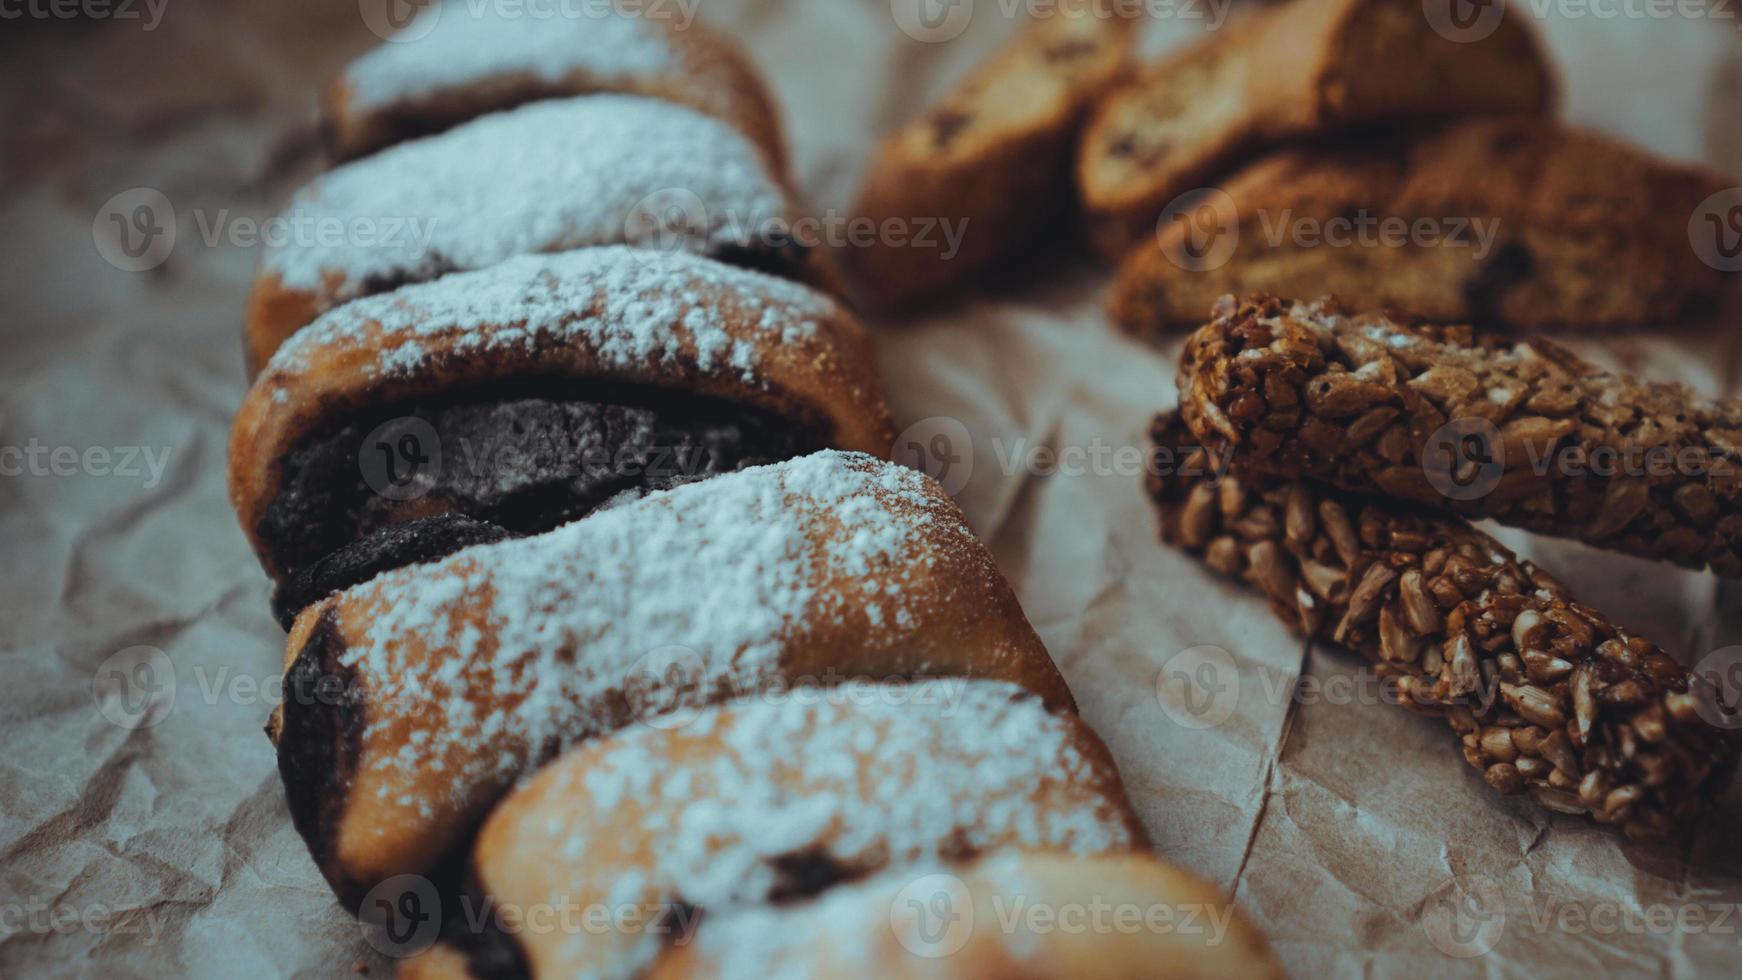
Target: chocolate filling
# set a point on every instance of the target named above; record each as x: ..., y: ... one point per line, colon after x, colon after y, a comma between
x: 415, y: 483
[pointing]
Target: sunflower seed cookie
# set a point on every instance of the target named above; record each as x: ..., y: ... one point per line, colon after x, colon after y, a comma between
x: 989, y: 157
x: 1304, y: 69
x: 1504, y: 221
x: 458, y: 60
x: 1522, y: 432
x: 1547, y: 695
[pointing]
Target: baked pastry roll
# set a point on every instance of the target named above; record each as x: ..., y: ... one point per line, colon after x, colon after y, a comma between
x: 459, y: 60
x: 1503, y: 221
x: 1041, y: 915
x: 1522, y: 432
x: 1547, y: 695
x: 988, y: 157
x: 460, y: 676
x: 546, y: 177
x: 1304, y: 69
x: 507, y: 401
x: 774, y: 801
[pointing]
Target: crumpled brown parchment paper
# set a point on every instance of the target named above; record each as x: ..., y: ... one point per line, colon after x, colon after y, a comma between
x: 154, y: 841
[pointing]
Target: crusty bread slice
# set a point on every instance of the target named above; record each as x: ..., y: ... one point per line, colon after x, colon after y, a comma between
x: 991, y: 159
x: 1502, y: 221
x: 1304, y: 69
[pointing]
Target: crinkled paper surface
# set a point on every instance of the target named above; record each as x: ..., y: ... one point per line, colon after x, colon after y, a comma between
x: 1353, y: 832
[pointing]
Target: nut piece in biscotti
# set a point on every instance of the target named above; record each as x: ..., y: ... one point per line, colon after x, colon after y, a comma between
x: 490, y: 404
x: 1546, y: 695
x: 458, y: 60
x: 550, y: 176
x: 418, y: 698
x: 1304, y: 69
x: 990, y: 160
x: 877, y: 928
x: 1522, y: 432
x: 1502, y: 221
x: 773, y: 801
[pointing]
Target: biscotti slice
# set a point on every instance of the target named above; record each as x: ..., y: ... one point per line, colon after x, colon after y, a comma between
x: 1506, y: 222
x: 1521, y: 432
x: 777, y: 800
x: 507, y: 401
x: 972, y: 179
x: 546, y: 177
x: 456, y: 678
x: 1307, y: 68
x: 955, y: 922
x: 459, y: 59
x: 1547, y: 695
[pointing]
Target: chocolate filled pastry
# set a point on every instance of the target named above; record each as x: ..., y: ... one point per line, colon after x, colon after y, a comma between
x: 505, y: 402
x: 415, y: 700
x: 1135, y: 916
x: 774, y: 802
x: 546, y: 177
x: 458, y: 60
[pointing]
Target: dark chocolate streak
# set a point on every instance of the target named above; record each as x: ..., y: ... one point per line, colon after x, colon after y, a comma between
x: 319, y: 741
x: 513, y: 460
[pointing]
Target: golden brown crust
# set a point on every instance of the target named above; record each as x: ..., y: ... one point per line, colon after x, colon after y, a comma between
x: 990, y: 156
x: 827, y: 377
x: 1524, y: 433
x: 708, y: 71
x: 433, y: 657
x: 1185, y: 928
x: 1547, y: 694
x: 1305, y: 69
x: 1528, y: 225
x: 771, y: 802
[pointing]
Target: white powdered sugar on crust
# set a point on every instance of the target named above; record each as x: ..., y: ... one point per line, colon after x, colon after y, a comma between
x: 634, y: 307
x: 884, y: 775
x: 549, y: 176
x: 504, y: 650
x: 463, y: 42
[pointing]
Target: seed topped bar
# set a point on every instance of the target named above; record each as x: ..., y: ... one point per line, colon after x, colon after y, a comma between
x: 1523, y: 432
x: 1547, y: 695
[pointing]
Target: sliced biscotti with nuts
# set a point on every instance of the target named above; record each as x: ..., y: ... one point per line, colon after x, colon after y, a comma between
x: 1505, y: 221
x: 459, y: 59
x: 1547, y: 695
x: 991, y: 158
x: 1307, y: 68
x: 1522, y: 432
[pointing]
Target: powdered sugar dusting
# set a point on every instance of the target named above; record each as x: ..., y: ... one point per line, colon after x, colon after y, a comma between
x: 462, y: 42
x: 722, y: 571
x: 897, y: 776
x: 545, y: 177
x: 635, y: 308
